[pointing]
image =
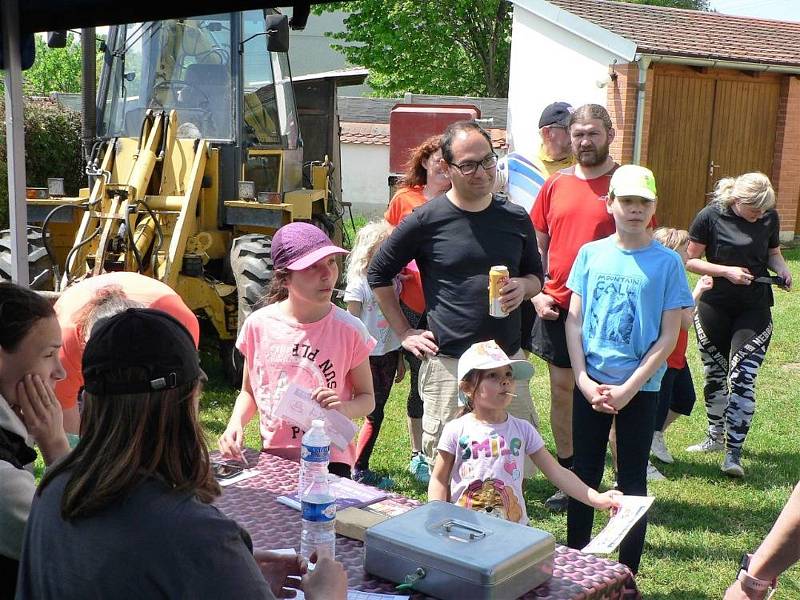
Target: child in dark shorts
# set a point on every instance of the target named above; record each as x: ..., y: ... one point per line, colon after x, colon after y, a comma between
x: 677, y: 395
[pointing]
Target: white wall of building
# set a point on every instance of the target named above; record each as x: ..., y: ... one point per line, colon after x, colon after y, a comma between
x: 365, y: 169
x: 550, y: 63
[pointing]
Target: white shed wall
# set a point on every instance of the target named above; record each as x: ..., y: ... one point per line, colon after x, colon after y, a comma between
x: 365, y: 171
x: 549, y: 64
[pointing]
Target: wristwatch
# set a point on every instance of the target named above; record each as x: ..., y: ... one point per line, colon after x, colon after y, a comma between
x: 752, y: 583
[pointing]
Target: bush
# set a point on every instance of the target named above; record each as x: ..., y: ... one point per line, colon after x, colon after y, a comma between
x: 52, y: 149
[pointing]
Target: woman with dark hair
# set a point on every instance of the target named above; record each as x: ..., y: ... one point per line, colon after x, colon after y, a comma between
x: 29, y: 412
x: 128, y: 513
x: 424, y: 179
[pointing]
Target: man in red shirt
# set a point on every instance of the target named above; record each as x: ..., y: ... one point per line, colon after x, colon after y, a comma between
x: 570, y: 210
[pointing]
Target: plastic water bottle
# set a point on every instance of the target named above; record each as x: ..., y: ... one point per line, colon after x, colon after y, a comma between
x: 315, y: 454
x: 319, y: 519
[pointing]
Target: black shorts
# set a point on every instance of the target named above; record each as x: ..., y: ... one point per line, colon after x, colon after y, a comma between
x: 549, y: 340
x: 678, y: 389
x: 527, y: 317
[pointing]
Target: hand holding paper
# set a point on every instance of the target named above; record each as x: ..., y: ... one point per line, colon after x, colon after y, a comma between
x: 631, y: 509
x: 300, y: 406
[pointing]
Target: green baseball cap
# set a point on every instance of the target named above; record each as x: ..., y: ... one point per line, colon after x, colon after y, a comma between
x: 633, y: 180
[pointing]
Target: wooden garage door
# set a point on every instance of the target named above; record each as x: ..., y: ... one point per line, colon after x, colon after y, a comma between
x: 678, y: 150
x: 743, y: 136
x: 702, y: 129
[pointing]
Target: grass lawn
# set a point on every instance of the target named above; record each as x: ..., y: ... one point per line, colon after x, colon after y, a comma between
x: 702, y: 520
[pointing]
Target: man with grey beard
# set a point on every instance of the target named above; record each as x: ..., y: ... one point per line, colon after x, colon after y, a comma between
x: 569, y: 211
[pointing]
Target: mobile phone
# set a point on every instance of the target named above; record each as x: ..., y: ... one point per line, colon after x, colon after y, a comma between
x: 771, y: 280
x: 223, y: 471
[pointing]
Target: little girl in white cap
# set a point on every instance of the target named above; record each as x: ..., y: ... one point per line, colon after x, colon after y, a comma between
x: 482, y: 453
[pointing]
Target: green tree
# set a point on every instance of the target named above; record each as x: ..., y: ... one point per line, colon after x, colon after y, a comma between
x: 456, y: 47
x: 55, y: 69
x: 450, y: 47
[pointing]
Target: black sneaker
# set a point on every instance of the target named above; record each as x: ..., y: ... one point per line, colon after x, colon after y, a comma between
x: 732, y: 465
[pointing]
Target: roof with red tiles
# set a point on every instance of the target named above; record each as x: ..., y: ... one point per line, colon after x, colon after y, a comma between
x: 698, y: 34
x: 378, y: 134
x: 364, y: 133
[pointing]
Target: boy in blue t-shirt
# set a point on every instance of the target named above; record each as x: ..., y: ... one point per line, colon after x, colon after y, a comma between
x: 623, y: 322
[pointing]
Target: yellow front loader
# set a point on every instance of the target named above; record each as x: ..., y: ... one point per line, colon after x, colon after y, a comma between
x: 198, y: 160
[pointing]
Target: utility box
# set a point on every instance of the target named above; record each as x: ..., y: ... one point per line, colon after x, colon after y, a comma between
x: 412, y: 124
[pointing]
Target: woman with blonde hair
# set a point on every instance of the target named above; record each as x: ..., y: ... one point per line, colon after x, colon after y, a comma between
x: 738, y: 232
x: 423, y: 180
x: 385, y: 362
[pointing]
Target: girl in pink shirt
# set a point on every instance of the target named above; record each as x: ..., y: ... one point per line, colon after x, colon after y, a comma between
x: 301, y: 338
x: 481, y: 453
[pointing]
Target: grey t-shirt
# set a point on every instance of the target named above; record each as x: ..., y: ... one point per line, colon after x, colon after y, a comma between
x: 154, y: 544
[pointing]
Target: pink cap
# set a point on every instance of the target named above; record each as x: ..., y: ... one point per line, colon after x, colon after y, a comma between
x: 299, y: 245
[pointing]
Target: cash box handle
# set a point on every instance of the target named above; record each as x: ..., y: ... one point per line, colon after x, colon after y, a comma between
x: 471, y: 533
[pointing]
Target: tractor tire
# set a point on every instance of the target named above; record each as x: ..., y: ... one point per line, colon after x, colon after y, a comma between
x: 40, y: 267
x: 232, y: 363
x: 251, y: 263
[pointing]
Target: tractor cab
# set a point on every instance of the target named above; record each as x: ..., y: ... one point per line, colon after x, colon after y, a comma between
x: 226, y: 77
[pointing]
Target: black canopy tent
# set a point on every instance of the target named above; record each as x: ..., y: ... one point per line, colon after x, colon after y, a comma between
x: 21, y: 17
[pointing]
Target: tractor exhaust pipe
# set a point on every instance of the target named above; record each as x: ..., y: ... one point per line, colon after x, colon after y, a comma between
x: 88, y: 91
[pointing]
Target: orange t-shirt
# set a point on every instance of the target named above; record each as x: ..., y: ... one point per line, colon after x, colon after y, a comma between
x: 145, y: 290
x: 400, y: 206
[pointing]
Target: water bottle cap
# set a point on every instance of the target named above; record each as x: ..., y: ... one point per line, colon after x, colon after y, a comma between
x: 320, y: 423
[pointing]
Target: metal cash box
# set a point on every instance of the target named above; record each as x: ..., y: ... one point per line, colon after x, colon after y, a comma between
x: 455, y: 553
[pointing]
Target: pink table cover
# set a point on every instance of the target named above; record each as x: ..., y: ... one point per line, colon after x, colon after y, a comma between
x: 252, y: 503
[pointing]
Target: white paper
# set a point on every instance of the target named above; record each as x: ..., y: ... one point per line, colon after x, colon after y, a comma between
x: 632, y: 508
x: 297, y: 406
x: 246, y: 474
x: 359, y: 595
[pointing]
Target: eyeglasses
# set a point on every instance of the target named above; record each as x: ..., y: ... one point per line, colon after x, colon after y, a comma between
x: 469, y: 167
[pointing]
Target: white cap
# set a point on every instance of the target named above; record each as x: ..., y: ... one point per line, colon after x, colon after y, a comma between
x: 488, y: 355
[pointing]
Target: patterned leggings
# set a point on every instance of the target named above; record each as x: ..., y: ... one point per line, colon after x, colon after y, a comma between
x: 732, y: 346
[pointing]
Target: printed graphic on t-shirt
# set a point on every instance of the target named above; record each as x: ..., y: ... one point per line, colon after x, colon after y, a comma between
x: 492, y: 497
x: 613, y: 309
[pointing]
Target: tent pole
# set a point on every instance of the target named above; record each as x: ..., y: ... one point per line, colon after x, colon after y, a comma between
x: 15, y: 143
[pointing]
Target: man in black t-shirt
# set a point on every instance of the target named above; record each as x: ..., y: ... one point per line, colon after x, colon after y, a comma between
x: 455, y: 239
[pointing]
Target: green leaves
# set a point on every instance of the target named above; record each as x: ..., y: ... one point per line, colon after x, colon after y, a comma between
x: 55, y: 69
x: 450, y: 47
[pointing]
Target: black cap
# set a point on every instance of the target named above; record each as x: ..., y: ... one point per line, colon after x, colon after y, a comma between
x: 556, y: 113
x: 140, y: 337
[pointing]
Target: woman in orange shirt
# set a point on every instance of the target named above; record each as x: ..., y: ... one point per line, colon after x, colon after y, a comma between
x: 424, y: 179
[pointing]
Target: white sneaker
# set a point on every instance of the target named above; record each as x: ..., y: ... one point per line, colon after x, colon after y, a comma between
x: 654, y: 474
x: 659, y: 448
x: 710, y: 444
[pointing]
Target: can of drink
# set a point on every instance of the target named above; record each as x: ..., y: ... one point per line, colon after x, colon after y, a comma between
x: 498, y: 276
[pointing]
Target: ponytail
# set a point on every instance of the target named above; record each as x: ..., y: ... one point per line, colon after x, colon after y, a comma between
x: 752, y: 189
x: 467, y: 387
x: 276, y: 290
